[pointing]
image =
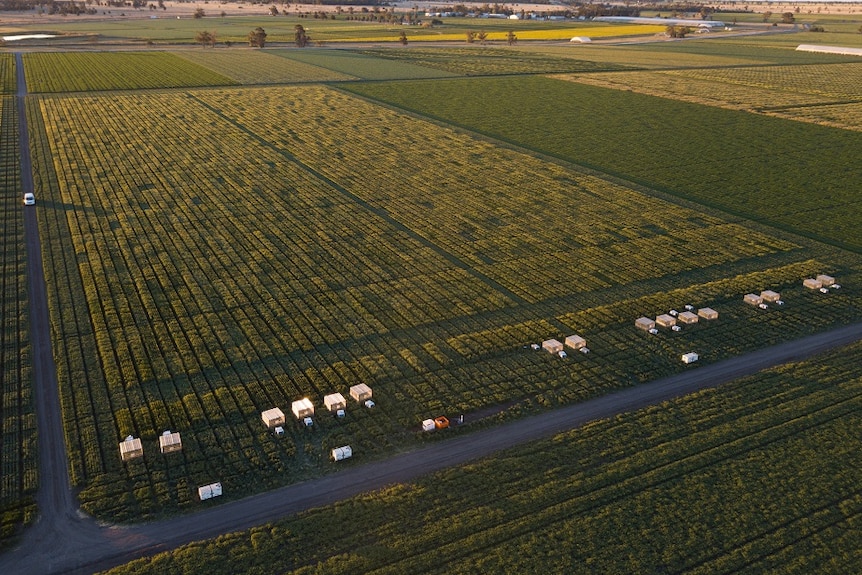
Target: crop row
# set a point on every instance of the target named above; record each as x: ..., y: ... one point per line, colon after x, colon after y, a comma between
x: 478, y: 61
x: 18, y: 462
x: 791, y: 174
x: 753, y: 475
x: 224, y: 265
x: 261, y: 67
x: 88, y: 71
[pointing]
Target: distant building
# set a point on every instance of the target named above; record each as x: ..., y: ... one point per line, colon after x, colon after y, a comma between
x: 665, y: 320
x: 170, y: 442
x: 302, y: 408
x: 360, y: 392
x: 552, y: 346
x: 272, y: 418
x: 644, y: 323
x: 687, y: 317
x: 131, y: 448
x: 707, y: 313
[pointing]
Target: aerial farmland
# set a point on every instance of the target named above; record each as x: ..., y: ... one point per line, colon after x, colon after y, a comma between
x: 230, y: 234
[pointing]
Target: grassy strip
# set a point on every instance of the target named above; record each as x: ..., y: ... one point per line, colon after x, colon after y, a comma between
x: 752, y: 475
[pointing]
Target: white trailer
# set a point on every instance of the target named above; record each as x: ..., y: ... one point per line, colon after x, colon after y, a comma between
x: 343, y: 452
x: 690, y: 357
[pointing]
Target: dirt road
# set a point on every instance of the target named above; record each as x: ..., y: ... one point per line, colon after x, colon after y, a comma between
x: 63, y: 540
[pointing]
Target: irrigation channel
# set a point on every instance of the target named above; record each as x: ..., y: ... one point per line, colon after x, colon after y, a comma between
x: 65, y: 540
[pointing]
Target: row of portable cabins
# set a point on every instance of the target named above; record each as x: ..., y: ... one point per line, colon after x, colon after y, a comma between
x: 555, y: 346
x: 303, y: 408
x: 131, y: 447
x: 668, y: 320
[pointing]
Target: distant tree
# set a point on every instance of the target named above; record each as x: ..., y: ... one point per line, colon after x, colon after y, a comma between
x: 403, y: 38
x: 300, y: 37
x: 199, y: 13
x: 511, y: 39
x: 482, y: 36
x: 767, y: 15
x: 677, y: 31
x: 206, y: 39
x: 257, y: 38
x: 273, y: 11
x: 788, y: 18
x: 471, y: 36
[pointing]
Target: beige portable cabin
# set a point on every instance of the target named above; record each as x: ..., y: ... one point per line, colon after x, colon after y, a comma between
x: 575, y: 342
x: 644, y: 323
x: 334, y: 402
x: 302, y: 408
x: 825, y: 281
x: 687, y: 317
x: 131, y: 448
x: 170, y: 441
x: 812, y: 283
x: 360, y: 392
x: 707, y: 313
x: 665, y: 320
x: 272, y: 418
x: 752, y: 299
x: 770, y: 296
x: 552, y: 346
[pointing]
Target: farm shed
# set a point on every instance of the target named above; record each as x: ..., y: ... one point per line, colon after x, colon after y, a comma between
x: 552, y: 346
x: 825, y: 281
x: 209, y: 491
x: 576, y: 342
x: 644, y: 323
x: 334, y: 401
x: 812, y: 283
x: 360, y: 392
x: 428, y: 425
x: 302, y: 408
x: 665, y: 320
x: 272, y: 417
x: 770, y: 296
x: 343, y: 452
x: 131, y: 448
x: 687, y: 317
x: 752, y: 299
x: 690, y: 357
x: 707, y: 313
x: 170, y: 441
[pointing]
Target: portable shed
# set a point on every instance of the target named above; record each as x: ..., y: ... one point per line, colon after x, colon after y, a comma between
x: 689, y: 357
x: 131, y: 448
x: 360, y: 392
x: 665, y: 320
x: 170, y: 441
x: 825, y: 281
x: 752, y: 299
x: 428, y: 425
x: 770, y: 296
x: 687, y: 317
x: 552, y: 346
x: 812, y: 283
x: 707, y: 313
x: 343, y: 452
x: 209, y: 491
x: 334, y: 402
x: 576, y: 342
x: 302, y: 408
x: 644, y: 323
x: 272, y: 417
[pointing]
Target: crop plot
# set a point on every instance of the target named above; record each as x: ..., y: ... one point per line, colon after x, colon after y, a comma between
x: 261, y: 67
x: 365, y: 66
x: 226, y: 264
x: 480, y: 61
x: 18, y: 479
x: 48, y: 72
x: 7, y: 74
x: 790, y: 174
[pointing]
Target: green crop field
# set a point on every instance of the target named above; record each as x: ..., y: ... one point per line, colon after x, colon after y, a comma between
x: 18, y: 479
x: 228, y: 264
x: 259, y: 67
x: 7, y: 74
x: 789, y: 174
x: 85, y: 71
x: 751, y: 477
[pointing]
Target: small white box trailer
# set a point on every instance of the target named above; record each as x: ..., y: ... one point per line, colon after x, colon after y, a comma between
x: 343, y: 452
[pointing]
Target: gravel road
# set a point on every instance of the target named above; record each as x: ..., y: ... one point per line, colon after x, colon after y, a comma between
x: 64, y: 540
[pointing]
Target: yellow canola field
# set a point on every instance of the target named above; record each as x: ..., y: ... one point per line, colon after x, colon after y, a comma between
x: 555, y: 34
